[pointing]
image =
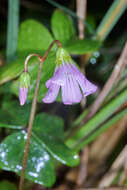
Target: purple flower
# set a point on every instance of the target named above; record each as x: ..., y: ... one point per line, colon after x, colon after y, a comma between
x: 23, y: 95
x: 72, y: 82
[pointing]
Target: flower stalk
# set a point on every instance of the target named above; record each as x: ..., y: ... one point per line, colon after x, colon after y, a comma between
x: 33, y: 108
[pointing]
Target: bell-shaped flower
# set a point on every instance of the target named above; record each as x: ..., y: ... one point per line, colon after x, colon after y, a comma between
x: 23, y: 87
x: 72, y: 82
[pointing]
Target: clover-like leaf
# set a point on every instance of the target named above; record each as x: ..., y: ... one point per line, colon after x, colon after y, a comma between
x: 77, y: 46
x: 33, y: 36
x: 47, y: 132
x: 40, y: 168
x: 62, y: 26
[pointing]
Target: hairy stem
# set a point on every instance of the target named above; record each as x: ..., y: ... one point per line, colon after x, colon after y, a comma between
x: 33, y: 109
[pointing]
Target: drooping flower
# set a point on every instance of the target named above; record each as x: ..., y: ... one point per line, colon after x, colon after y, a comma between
x: 72, y: 82
x: 23, y: 87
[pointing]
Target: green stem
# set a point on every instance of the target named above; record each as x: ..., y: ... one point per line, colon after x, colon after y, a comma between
x: 111, y: 18
x: 12, y: 30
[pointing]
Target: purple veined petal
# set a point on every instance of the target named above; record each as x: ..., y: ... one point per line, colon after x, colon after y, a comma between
x: 86, y: 86
x: 75, y: 91
x: 66, y: 96
x: 58, y: 77
x: 23, y: 95
x: 90, y: 88
x: 51, y: 94
x: 75, y: 70
x: 68, y: 69
x: 70, y: 91
x: 48, y: 83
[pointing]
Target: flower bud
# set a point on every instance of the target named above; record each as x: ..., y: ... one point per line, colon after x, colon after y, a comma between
x: 23, y: 87
x: 25, y: 80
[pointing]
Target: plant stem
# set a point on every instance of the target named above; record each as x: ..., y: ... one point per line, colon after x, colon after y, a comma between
x: 12, y: 30
x: 33, y: 109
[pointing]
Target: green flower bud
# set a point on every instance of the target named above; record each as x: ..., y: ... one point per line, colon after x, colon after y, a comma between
x: 62, y: 55
x: 25, y: 80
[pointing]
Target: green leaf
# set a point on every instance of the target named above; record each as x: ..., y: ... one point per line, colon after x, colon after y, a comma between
x: 33, y: 36
x: 46, y: 142
x: 82, y: 46
x: 15, y: 68
x: 10, y: 126
x: 6, y: 185
x: 62, y: 26
x: 12, y: 70
x: 46, y: 131
x: 40, y: 167
x: 18, y: 115
x: 49, y: 124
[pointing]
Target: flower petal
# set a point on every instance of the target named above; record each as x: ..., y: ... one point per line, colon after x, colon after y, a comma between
x: 58, y: 77
x: 70, y: 91
x: 66, y: 96
x: 23, y: 95
x: 90, y: 88
x: 86, y: 86
x: 51, y: 94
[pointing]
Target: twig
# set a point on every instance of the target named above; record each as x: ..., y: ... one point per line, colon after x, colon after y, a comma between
x: 112, y: 173
x: 81, y: 8
x: 32, y: 114
x: 81, y: 13
x: 110, y: 83
x: 83, y: 167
